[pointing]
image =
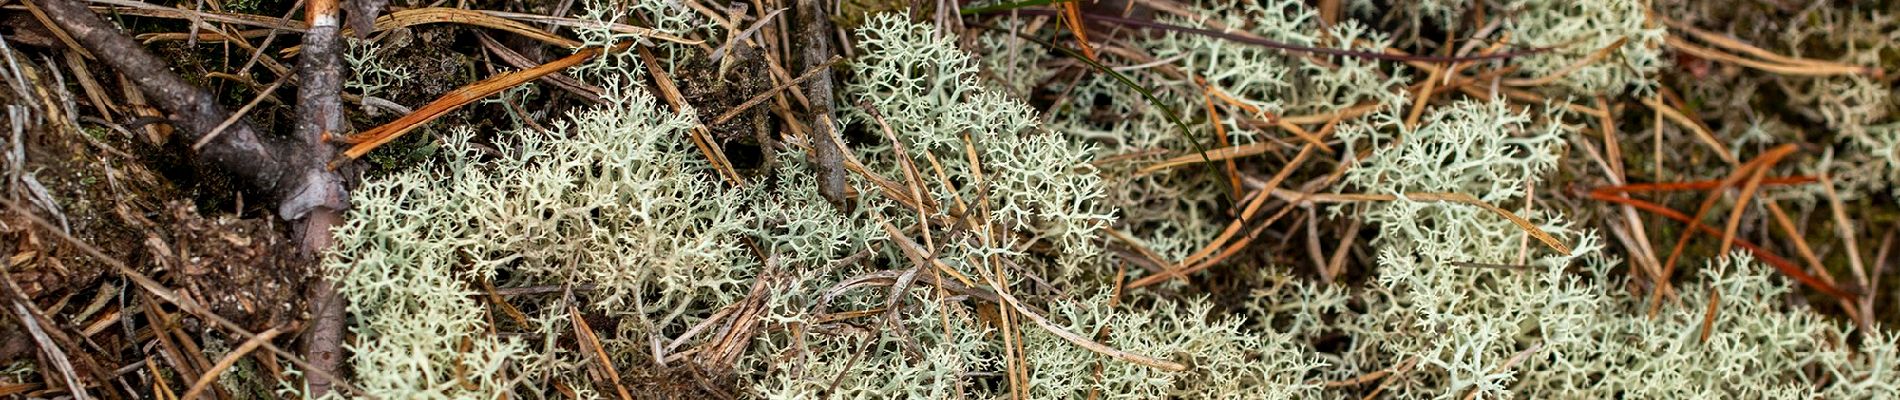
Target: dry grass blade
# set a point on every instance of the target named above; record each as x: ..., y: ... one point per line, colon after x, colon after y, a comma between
x: 439, y: 15
x: 1423, y: 96
x: 1078, y: 340
x: 1846, y: 227
x: 1594, y: 57
x: 1220, y: 154
x: 18, y: 388
x: 211, y: 375
x: 591, y: 343
x: 700, y: 136
x: 1526, y: 225
x: 1200, y: 260
x: 588, y: 92
x: 1220, y: 138
x: 1726, y: 42
x: 1800, y: 243
x: 1804, y: 69
x: 1881, y: 261
x: 1701, y: 132
x: 1348, y: 113
x: 1513, y: 362
x: 1741, y: 205
x: 1071, y: 16
x: 1140, y: 248
x: 58, y: 32
x: 144, y: 9
x: 743, y: 36
x: 581, y: 23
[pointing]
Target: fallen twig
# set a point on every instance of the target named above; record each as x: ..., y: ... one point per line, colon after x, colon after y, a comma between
x: 813, y: 38
x: 273, y: 166
x: 821, y: 69
x: 320, y: 115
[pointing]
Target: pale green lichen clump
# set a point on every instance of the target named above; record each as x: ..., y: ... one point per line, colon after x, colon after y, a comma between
x: 614, y: 208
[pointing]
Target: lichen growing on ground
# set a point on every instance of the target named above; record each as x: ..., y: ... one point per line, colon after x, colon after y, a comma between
x: 966, y: 197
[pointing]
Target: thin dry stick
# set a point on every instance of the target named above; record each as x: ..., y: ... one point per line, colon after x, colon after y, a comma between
x: 239, y: 115
x: 766, y: 95
x: 151, y: 285
x: 316, y: 211
x: 204, y: 381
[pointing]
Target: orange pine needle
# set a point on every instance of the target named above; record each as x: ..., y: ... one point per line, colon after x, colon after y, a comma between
x: 1780, y: 264
x: 373, y: 138
x: 1699, y: 185
x: 1072, y: 16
